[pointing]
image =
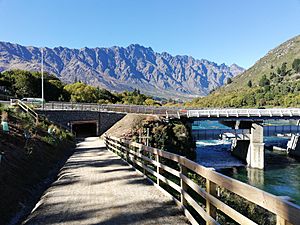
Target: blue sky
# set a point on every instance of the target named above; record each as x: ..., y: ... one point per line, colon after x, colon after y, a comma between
x: 231, y: 31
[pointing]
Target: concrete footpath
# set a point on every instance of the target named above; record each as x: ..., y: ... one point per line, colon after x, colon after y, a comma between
x: 96, y: 187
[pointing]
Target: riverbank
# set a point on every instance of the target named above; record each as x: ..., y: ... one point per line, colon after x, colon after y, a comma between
x: 29, y: 156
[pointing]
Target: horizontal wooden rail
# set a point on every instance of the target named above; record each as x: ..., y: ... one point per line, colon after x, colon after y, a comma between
x: 147, y: 159
x: 27, y: 109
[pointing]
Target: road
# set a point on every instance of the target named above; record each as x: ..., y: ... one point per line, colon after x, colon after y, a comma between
x: 96, y: 187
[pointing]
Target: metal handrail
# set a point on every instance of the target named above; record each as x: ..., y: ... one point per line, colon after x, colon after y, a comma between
x: 177, y: 112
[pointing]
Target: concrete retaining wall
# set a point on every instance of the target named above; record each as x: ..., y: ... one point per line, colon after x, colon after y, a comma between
x: 104, y: 120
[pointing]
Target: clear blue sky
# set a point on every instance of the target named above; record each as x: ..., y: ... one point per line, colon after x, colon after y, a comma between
x: 231, y: 31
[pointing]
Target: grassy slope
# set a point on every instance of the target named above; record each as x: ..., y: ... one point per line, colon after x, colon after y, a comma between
x: 23, y: 169
x: 286, y: 52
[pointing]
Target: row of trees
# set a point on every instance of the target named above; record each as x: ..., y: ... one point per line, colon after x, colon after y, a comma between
x: 21, y: 84
x: 280, y: 88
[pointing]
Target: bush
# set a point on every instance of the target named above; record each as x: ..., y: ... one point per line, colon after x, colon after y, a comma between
x: 296, y: 65
x: 264, y: 81
x: 249, y: 84
x: 172, y: 136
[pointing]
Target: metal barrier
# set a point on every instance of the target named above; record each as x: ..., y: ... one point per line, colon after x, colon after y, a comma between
x: 244, y: 113
x: 152, y: 163
x: 177, y: 112
x: 140, y: 109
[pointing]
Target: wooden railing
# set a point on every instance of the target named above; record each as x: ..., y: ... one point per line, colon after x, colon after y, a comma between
x: 171, y: 173
x: 26, y: 109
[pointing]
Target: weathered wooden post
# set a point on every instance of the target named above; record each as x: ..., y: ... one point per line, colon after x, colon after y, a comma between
x: 127, y: 152
x: 105, y: 140
x: 183, y: 171
x: 158, y: 169
x: 281, y: 221
x: 141, y: 151
x: 211, y: 188
x: 148, y: 136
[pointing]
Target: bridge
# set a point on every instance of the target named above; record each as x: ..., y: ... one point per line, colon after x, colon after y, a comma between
x: 99, y: 118
x: 105, y: 115
x: 263, y: 114
x: 244, y: 114
x: 81, y: 117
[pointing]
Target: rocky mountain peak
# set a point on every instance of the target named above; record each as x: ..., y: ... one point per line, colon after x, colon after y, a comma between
x: 119, y: 69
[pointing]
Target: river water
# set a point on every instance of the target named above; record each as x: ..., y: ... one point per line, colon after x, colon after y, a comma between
x: 281, y: 175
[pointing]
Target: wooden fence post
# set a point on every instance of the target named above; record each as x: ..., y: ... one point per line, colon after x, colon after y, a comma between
x: 281, y: 221
x: 183, y: 171
x: 127, y: 152
x: 105, y: 141
x: 141, y: 151
x: 158, y: 169
x: 211, y: 188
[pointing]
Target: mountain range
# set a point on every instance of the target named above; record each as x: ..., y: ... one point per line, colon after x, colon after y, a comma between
x: 119, y: 69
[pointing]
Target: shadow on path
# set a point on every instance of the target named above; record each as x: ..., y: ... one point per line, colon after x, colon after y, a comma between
x: 97, y: 187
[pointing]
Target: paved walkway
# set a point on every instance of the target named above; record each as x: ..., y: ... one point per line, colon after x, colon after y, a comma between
x: 96, y: 187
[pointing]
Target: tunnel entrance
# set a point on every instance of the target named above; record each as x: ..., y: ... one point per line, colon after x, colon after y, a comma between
x: 85, y: 129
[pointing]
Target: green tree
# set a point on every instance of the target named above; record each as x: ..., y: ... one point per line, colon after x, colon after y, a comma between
x: 249, y: 84
x: 296, y: 65
x: 229, y: 80
x: 264, y: 81
x: 105, y: 95
x: 54, y: 90
x: 283, y: 70
x: 81, y: 92
x: 150, y: 101
x: 25, y: 84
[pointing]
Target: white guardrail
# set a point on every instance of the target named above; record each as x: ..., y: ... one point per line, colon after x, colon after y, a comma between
x: 216, y: 113
x: 159, y: 110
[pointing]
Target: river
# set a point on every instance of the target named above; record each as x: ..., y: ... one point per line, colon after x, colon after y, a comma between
x: 281, y: 175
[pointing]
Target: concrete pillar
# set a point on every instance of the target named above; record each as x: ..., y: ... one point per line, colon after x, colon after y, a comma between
x: 255, y: 176
x: 251, y: 150
x: 293, y: 146
x: 255, y: 156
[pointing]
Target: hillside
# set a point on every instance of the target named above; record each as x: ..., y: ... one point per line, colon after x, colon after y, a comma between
x: 27, y: 166
x: 119, y: 69
x: 284, y: 53
x: 274, y: 80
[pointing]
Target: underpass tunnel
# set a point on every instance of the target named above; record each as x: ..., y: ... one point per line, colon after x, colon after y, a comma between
x: 85, y: 129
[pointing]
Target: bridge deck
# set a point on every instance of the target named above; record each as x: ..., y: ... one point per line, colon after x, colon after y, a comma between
x: 96, y: 187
